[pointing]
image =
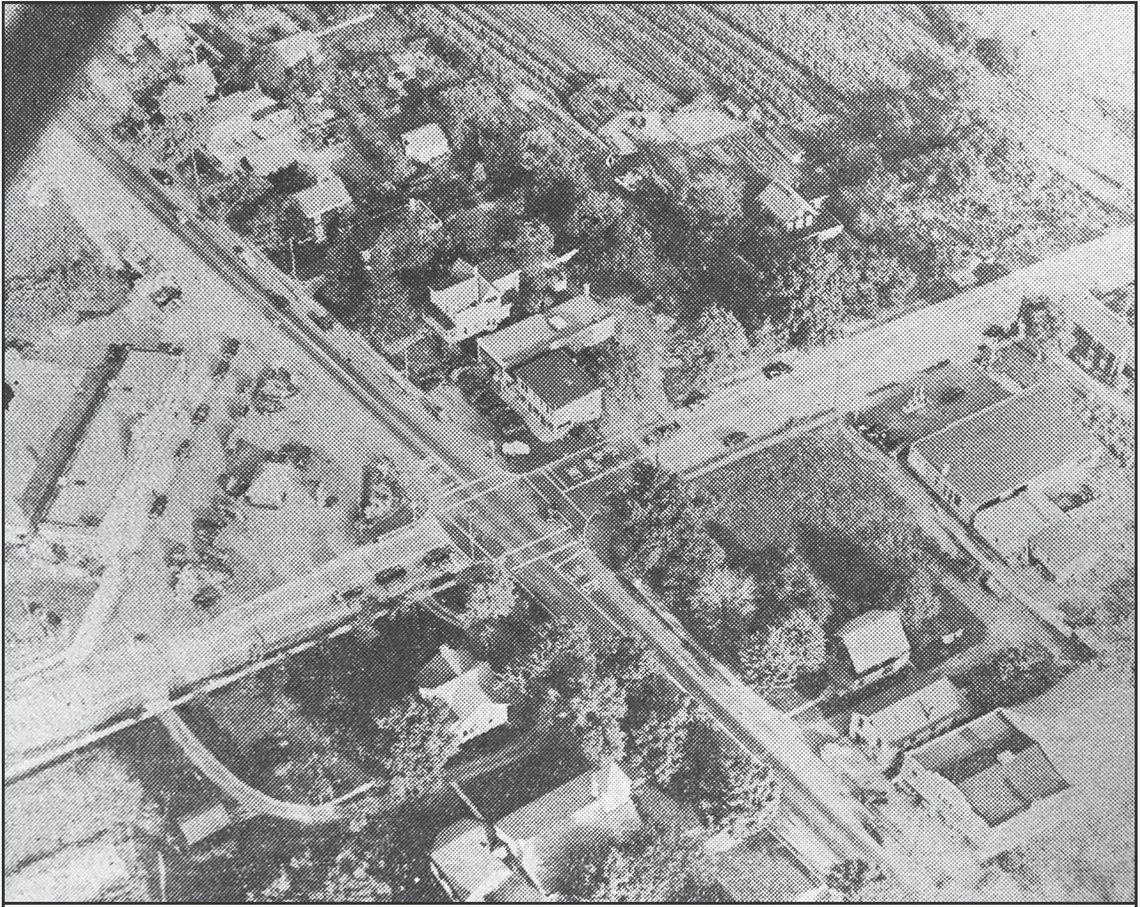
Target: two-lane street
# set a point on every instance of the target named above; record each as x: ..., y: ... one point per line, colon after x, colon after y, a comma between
x: 512, y: 514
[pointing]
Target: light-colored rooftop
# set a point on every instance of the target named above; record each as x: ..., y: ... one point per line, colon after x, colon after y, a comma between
x: 325, y: 197
x: 785, y: 204
x: 524, y: 339
x: 874, y: 638
x: 921, y: 709
x: 425, y: 144
x: 699, y: 125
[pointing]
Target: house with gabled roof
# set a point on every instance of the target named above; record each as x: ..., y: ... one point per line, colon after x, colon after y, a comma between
x: 518, y: 857
x: 875, y: 644
x: 466, y: 687
x: 989, y: 779
x: 320, y: 200
x: 923, y: 714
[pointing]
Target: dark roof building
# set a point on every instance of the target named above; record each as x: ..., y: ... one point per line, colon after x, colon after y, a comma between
x: 994, y: 452
x: 555, y: 378
x: 988, y: 778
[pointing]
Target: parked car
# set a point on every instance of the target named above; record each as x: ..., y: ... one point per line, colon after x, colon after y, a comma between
x: 325, y: 322
x: 661, y: 432
x: 693, y: 399
x: 437, y: 557
x: 516, y: 448
x: 200, y: 414
x: 350, y: 594
x: 162, y: 176
x: 182, y: 448
x: 391, y: 575
x: 279, y: 301
x: 734, y: 438
x: 158, y: 505
x: 244, y: 254
x: 775, y: 369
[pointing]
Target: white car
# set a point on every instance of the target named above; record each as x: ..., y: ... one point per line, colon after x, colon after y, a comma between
x: 516, y: 448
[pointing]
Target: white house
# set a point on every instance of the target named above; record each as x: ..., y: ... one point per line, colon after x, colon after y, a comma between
x: 188, y: 93
x: 922, y: 714
x: 464, y: 303
x: 425, y: 144
x: 876, y: 644
x: 317, y: 202
x: 467, y: 693
x: 271, y: 488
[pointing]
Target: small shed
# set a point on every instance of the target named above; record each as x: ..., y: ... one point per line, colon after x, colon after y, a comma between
x: 199, y: 826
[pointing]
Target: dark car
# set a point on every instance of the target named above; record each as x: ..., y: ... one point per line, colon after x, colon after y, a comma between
x: 350, y: 594
x: 734, y: 438
x: 391, y: 575
x: 230, y: 347
x: 437, y: 557
x: 181, y: 449
x: 158, y: 505
x: 279, y: 301
x: 324, y: 322
x: 693, y: 399
x: 162, y: 176
x: 200, y: 414
x: 775, y: 369
x: 661, y: 432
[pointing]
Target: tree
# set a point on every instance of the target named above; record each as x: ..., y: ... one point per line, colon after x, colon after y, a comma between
x: 345, y: 287
x: 667, y: 869
x: 715, y: 196
x: 597, y: 713
x: 849, y: 876
x: 630, y: 370
x: 774, y: 661
x: 492, y: 598
x: 415, y: 742
x: 721, y: 611
x: 711, y: 346
x: 1011, y: 676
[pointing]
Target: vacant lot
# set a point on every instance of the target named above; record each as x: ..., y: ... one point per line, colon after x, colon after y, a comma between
x: 816, y: 493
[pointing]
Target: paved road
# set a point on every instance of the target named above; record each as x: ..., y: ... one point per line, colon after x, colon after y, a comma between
x: 843, y: 374
x: 513, y: 515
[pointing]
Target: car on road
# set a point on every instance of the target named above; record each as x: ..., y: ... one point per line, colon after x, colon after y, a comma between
x: 734, y: 438
x: 693, y: 399
x: 659, y: 433
x: 516, y: 448
x: 244, y: 254
x: 325, y: 322
x: 437, y: 557
x: 350, y: 594
x: 200, y: 414
x: 182, y: 448
x: 161, y: 176
x: 391, y: 575
x: 775, y: 369
x: 279, y: 302
x: 158, y: 505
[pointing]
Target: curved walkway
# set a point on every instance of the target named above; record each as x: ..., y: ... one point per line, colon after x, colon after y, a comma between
x: 254, y: 802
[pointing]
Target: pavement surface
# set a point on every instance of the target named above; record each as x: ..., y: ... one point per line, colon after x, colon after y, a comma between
x: 511, y: 513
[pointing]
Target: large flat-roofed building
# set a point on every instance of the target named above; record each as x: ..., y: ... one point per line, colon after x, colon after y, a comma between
x: 559, y: 391
x: 989, y: 779
x: 40, y: 418
x: 575, y: 325
x: 103, y: 446
x: 988, y: 456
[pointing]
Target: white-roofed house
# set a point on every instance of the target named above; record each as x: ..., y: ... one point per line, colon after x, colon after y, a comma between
x: 464, y: 303
x: 467, y: 693
x: 876, y: 644
x: 199, y: 826
x: 271, y: 488
x: 425, y: 144
x: 317, y: 202
x: 914, y: 718
x: 188, y: 93
x: 286, y: 54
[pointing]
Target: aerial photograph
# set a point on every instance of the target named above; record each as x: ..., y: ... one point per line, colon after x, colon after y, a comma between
x: 569, y: 452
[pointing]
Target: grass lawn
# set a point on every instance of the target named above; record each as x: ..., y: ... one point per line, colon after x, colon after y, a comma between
x: 817, y: 493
